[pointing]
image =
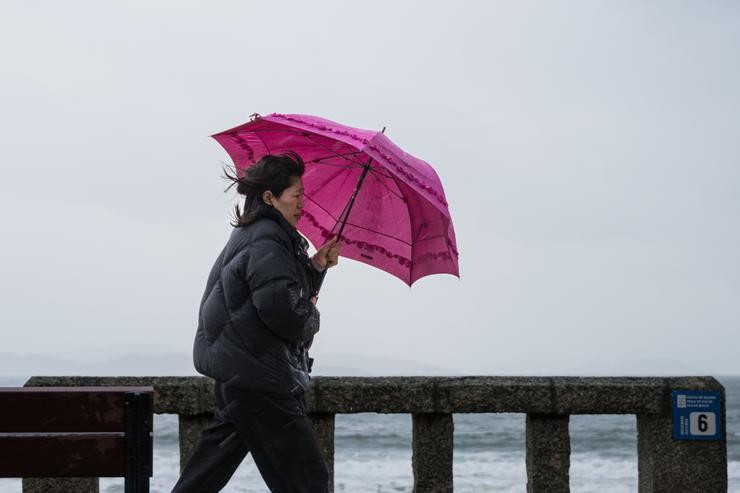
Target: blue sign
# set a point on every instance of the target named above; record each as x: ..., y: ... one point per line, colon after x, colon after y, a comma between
x: 696, y: 415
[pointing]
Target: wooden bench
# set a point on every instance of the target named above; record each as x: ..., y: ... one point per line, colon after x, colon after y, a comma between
x: 64, y: 432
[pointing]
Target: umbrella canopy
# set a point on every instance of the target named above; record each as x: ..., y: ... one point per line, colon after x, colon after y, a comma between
x: 400, y: 221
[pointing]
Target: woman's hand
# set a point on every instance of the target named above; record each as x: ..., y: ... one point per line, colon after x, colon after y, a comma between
x: 328, y: 255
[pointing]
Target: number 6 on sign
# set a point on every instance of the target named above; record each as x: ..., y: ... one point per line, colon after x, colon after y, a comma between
x: 702, y: 423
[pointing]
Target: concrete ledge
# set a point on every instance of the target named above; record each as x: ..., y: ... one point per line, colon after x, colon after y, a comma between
x: 494, y: 394
x: 608, y: 395
x: 172, y: 395
x: 543, y: 395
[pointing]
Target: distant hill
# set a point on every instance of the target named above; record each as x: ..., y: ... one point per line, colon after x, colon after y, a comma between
x: 160, y: 364
x: 127, y: 364
x: 133, y: 362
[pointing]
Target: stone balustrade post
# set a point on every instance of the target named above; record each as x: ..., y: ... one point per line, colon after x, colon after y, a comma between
x: 432, y: 445
x: 666, y: 465
x: 323, y: 430
x: 190, y: 428
x: 548, y: 453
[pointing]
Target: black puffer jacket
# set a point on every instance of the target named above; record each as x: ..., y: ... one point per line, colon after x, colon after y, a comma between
x: 256, y: 316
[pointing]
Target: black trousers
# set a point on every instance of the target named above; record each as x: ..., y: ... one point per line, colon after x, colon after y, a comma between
x: 273, y: 427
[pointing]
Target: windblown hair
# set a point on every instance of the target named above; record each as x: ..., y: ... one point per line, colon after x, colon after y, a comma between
x: 272, y: 172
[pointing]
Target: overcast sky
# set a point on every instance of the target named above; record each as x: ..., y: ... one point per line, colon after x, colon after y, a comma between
x: 590, y: 154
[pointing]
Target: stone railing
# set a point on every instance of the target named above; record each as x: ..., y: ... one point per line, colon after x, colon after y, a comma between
x: 664, y: 465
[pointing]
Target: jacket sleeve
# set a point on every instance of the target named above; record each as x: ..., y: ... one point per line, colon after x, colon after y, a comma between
x: 277, y: 294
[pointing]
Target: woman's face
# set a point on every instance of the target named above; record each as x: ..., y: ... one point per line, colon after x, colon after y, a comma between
x: 290, y: 202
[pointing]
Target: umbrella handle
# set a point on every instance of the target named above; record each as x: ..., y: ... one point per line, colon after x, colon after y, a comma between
x: 320, y: 283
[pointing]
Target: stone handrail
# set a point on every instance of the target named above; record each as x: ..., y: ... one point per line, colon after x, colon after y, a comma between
x: 664, y: 464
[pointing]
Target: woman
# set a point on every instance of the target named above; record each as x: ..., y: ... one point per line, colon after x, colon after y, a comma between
x: 257, y: 319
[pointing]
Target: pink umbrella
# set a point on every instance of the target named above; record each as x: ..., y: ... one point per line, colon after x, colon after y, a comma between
x: 388, y: 207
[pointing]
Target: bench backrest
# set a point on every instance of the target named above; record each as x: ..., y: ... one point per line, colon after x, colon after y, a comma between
x: 76, y: 432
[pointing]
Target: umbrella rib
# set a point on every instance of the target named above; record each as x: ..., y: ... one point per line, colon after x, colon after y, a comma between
x: 306, y: 136
x: 331, y: 164
x: 271, y: 130
x: 343, y: 156
x: 431, y: 238
x: 378, y: 233
x: 413, y: 242
x: 336, y: 220
x: 336, y: 154
x: 264, y: 144
x: 352, y: 224
x: 377, y: 170
x: 411, y: 231
x: 411, y: 235
x: 323, y: 209
x: 386, y: 186
x: 302, y: 134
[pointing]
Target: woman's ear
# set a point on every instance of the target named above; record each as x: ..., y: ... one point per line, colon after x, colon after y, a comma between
x: 267, y: 197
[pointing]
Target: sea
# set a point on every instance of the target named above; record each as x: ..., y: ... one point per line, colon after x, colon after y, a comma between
x: 373, y: 453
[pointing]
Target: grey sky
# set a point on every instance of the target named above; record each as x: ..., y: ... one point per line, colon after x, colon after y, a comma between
x: 589, y: 152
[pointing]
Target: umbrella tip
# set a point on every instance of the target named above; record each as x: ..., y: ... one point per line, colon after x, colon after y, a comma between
x: 383, y: 131
x: 254, y: 116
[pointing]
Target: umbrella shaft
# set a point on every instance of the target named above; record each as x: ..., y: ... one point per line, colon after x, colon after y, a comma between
x: 354, y: 196
x: 344, y: 220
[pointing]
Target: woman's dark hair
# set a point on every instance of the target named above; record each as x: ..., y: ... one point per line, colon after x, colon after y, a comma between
x: 271, y: 172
